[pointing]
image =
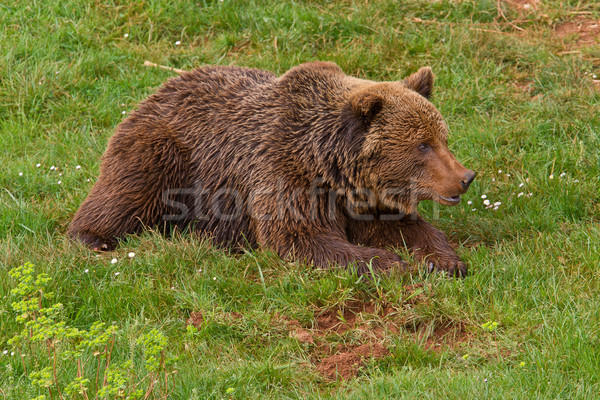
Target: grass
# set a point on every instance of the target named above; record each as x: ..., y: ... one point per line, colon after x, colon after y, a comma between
x: 522, y: 102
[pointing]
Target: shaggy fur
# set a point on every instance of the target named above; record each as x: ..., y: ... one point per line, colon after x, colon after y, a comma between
x: 316, y: 165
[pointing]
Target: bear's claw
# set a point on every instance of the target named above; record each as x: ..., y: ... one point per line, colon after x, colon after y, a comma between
x: 452, y: 267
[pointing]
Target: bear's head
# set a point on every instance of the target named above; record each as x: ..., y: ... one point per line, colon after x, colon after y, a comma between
x: 402, y: 144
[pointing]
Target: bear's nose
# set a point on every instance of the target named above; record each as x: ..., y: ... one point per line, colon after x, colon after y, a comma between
x: 468, y: 177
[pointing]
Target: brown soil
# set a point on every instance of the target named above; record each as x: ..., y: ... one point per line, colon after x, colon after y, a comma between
x: 372, y: 325
x: 586, y: 32
x: 340, y: 366
x: 296, y: 331
x: 339, y: 320
x: 346, y: 364
x: 196, y: 318
x: 372, y: 350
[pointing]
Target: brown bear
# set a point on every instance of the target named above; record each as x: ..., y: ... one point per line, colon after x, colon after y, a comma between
x: 316, y: 165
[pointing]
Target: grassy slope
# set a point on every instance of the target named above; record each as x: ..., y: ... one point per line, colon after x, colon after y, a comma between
x: 67, y: 72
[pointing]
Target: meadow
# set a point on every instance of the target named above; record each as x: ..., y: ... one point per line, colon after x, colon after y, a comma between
x: 516, y: 82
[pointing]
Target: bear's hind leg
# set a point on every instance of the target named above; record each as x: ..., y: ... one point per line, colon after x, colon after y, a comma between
x: 102, y: 219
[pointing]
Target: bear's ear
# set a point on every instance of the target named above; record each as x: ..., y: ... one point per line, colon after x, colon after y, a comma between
x: 365, y: 106
x: 356, y: 117
x: 421, y: 82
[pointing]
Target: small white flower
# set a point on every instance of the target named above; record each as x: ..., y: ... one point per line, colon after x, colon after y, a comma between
x: 59, y: 182
x: 60, y: 174
x: 177, y: 43
x: 493, y: 179
x: 38, y: 165
x: 495, y: 208
x: 113, y: 261
x: 200, y: 270
x: 485, y: 380
x: 117, y: 273
x: 5, y: 352
x: 551, y: 176
x: 52, y: 168
x: 86, y: 270
x: 576, y: 180
x: 486, y: 202
x: 526, y: 6
x: 499, y: 171
x: 57, y: 72
x: 474, y: 209
x: 529, y: 194
x: 78, y: 167
x: 88, y: 179
x: 131, y: 255
x: 594, y: 76
x: 521, y: 184
x: 123, y: 112
x: 563, y: 174
x: 126, y: 35
x: 214, y: 278
x: 496, y: 204
x: 12, y: 353
x: 483, y: 196
x: 520, y: 194
x: 20, y: 174
x: 469, y: 202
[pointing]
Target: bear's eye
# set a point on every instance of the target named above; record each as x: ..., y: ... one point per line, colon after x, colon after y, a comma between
x: 424, y: 147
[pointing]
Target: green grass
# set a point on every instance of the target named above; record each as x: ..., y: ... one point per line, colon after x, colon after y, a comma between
x: 67, y: 73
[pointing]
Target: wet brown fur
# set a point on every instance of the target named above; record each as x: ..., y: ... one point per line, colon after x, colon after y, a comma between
x: 267, y: 138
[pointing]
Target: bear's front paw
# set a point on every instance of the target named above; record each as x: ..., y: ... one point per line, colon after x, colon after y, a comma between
x: 453, y: 266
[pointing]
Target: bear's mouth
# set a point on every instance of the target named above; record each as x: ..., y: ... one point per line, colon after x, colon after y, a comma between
x: 449, y: 201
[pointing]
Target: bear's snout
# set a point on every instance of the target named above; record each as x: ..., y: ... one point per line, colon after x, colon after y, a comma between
x: 467, y: 178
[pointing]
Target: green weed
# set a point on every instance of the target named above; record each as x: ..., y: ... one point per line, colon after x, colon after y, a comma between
x: 47, y: 348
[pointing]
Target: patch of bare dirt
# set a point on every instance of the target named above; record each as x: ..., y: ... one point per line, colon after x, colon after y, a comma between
x: 371, y: 324
x: 340, y: 366
x: 343, y: 361
x: 585, y: 31
x: 375, y: 349
x: 196, y: 319
x: 339, y: 320
x: 298, y: 332
x: 345, y: 364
